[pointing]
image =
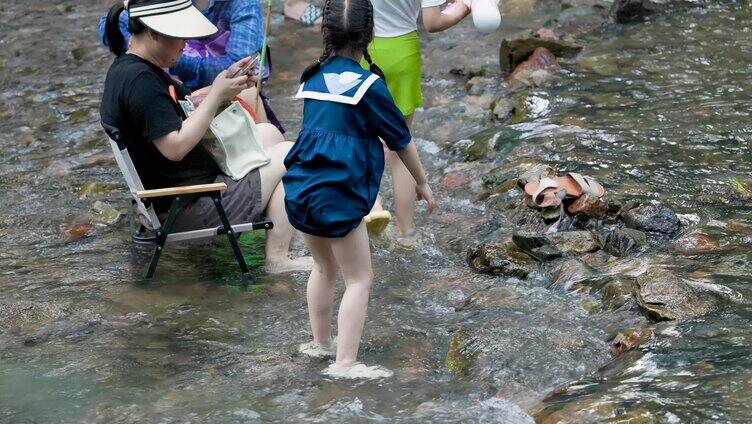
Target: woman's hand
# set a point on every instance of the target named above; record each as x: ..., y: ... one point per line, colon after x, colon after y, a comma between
x: 225, y: 88
x: 424, y: 192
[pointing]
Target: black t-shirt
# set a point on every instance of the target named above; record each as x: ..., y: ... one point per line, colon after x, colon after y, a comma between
x: 137, y: 102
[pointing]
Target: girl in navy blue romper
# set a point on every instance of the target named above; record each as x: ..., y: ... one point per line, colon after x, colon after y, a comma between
x: 333, y: 176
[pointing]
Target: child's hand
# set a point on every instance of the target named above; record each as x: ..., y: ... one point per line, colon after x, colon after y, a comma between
x: 424, y: 192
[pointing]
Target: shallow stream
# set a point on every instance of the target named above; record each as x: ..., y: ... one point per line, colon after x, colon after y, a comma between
x: 655, y: 111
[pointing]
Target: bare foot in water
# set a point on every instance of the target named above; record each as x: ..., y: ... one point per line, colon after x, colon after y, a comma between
x: 356, y: 371
x: 304, y: 263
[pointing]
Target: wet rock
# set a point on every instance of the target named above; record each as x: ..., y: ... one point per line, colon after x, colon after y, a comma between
x: 622, y: 242
x: 503, y: 108
x: 574, y: 242
x: 742, y: 188
x: 592, y: 207
x: 575, y: 12
x: 629, y: 339
x: 662, y: 295
x: 500, y: 259
x: 529, y: 240
x: 95, y: 188
x: 535, y: 70
x: 477, y: 149
x: 460, y: 355
x: 546, y: 253
x: 601, y: 64
x: 617, y: 293
x: 453, y: 180
x: 652, y: 218
x: 640, y: 416
x: 527, y: 218
x: 547, y: 34
x: 74, y: 232
x: 579, y: 412
x: 500, y: 179
x: 695, y: 243
x: 568, y: 272
x: 104, y: 213
x: 515, y: 51
x: 628, y: 11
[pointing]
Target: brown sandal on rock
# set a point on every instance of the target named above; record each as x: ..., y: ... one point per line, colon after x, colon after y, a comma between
x: 576, y: 185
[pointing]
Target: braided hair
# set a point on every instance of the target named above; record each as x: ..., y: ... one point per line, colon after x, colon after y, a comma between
x: 347, y: 25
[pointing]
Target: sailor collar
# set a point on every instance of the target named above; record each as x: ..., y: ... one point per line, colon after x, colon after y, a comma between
x: 346, y: 87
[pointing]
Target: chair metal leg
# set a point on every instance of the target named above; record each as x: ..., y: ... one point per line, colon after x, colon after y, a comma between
x: 230, y: 235
x: 175, y: 207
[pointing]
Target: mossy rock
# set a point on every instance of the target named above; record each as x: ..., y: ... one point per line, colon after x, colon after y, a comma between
x: 457, y: 359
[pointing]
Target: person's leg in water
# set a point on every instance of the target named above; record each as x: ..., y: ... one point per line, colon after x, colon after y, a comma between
x: 320, y: 296
x: 273, y: 197
x: 403, y: 185
x: 353, y: 255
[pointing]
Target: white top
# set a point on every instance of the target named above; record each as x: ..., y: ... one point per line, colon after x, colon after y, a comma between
x: 398, y: 17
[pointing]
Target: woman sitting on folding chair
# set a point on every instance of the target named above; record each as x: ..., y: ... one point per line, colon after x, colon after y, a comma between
x: 139, y: 100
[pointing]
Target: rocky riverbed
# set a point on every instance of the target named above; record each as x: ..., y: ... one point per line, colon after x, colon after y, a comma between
x: 640, y: 314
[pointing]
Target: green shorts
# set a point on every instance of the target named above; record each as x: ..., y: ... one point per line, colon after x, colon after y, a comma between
x: 399, y: 58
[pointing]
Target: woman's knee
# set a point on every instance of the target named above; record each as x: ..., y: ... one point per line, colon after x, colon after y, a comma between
x: 269, y: 135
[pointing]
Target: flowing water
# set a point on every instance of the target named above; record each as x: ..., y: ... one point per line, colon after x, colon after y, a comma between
x: 656, y: 111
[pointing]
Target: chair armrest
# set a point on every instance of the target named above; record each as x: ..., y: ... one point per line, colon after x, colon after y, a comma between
x: 179, y: 191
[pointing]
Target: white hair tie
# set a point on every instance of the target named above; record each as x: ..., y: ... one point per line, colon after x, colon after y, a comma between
x: 125, y: 4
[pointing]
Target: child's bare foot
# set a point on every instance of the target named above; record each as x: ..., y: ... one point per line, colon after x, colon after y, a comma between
x: 357, y: 371
x: 304, y: 263
x: 316, y: 350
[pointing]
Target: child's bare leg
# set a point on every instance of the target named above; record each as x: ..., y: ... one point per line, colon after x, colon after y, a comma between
x: 353, y: 256
x: 404, y: 190
x: 320, y: 290
x: 404, y: 194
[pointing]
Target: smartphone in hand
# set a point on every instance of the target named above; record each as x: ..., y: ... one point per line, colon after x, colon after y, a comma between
x: 246, y: 70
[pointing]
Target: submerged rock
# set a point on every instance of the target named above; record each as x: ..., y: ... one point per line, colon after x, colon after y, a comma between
x: 500, y: 179
x: 453, y: 180
x: 500, y: 259
x: 74, y: 232
x: 622, y: 242
x: 662, y: 295
x: 529, y: 240
x: 629, y: 339
x: 515, y: 51
x: 695, y: 243
x: 627, y: 11
x: 546, y: 253
x: 523, y: 349
x: 617, y: 293
x: 568, y: 272
x: 104, y: 213
x: 535, y: 70
x: 652, y: 218
x: 574, y: 242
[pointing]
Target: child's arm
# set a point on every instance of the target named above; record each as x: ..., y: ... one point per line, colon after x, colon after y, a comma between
x: 409, y: 156
x: 434, y: 20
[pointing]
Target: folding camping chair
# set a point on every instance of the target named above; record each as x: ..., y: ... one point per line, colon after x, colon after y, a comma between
x: 179, y: 195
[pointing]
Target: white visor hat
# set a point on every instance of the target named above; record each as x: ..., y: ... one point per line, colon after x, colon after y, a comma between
x: 173, y: 18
